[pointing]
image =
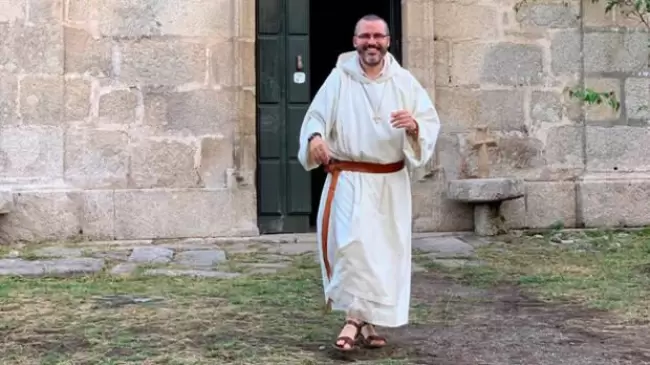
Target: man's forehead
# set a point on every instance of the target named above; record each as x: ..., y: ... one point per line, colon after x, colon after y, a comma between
x: 371, y: 26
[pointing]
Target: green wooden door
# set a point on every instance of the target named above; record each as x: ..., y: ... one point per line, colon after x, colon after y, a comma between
x: 284, y: 188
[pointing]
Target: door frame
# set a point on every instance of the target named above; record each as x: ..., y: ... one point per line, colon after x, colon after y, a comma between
x: 412, y: 38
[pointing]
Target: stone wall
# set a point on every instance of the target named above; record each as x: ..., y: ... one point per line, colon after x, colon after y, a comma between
x: 135, y: 119
x: 127, y: 119
x: 512, y: 71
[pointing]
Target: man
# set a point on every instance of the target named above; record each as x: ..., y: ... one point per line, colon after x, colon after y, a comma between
x: 369, y: 120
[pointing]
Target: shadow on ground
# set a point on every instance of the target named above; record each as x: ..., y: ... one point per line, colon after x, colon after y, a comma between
x: 503, y: 326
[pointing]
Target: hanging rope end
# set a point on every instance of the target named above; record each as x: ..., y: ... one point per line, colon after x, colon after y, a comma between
x: 328, y: 306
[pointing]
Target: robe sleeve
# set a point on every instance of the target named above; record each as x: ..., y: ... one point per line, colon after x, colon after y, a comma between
x: 419, y: 149
x: 319, y: 117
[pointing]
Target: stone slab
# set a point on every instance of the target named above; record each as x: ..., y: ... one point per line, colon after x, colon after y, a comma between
x: 97, y: 158
x: 566, y: 48
x: 147, y: 19
x: 547, y: 203
x: 151, y: 255
x: 432, y: 211
x: 637, y: 92
x: 444, y: 247
x: 499, y: 60
x: 58, y: 252
x: 125, y: 299
x: 265, y: 268
x: 157, y: 62
x: 199, y: 112
x: 59, y: 267
x: 200, y: 258
x: 614, y: 203
x: 127, y: 268
x: 482, y: 191
x: 558, y: 15
x: 480, y: 20
x: 463, y: 108
x: 117, y: 255
x: 617, y: 149
x: 43, y: 215
x: 192, y: 273
x: 615, y: 51
x: 31, y: 151
x: 168, y: 164
x: 172, y: 213
x: 297, y: 248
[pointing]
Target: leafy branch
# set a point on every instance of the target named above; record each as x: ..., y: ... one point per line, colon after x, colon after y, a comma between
x: 633, y: 9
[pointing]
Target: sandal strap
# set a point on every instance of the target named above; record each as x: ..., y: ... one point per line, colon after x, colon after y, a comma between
x: 357, y: 325
x: 374, y: 338
x: 346, y: 341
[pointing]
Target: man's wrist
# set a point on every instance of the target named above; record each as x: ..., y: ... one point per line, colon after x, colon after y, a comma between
x: 414, y: 131
x: 312, y: 136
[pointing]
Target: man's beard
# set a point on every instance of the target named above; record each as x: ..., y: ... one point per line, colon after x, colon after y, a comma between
x: 374, y: 59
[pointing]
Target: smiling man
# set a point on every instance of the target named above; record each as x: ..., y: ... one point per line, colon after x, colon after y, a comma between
x: 368, y: 125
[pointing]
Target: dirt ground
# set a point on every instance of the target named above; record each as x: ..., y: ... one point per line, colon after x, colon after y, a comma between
x: 505, y: 326
x: 568, y: 300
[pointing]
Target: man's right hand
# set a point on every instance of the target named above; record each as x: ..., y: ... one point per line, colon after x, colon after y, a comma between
x: 319, y: 151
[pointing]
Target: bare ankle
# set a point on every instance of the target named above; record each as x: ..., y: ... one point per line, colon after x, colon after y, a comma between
x: 351, y: 318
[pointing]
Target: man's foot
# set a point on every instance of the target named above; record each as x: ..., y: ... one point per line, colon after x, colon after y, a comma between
x: 370, y: 337
x: 348, y: 335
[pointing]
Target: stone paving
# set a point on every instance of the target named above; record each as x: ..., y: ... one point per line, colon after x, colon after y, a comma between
x: 220, y: 258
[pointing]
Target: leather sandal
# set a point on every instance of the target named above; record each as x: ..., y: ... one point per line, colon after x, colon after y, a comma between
x: 349, y: 341
x: 372, y: 341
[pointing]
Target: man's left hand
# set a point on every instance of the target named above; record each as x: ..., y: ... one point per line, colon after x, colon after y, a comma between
x: 403, y: 119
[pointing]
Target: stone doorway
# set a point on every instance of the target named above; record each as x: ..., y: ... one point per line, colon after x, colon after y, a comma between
x: 331, y: 29
x: 287, y: 197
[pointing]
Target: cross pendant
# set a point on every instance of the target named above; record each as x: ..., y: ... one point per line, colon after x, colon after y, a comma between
x: 376, y: 118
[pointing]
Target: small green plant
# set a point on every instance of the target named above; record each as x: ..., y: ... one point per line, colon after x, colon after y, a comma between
x: 593, y: 97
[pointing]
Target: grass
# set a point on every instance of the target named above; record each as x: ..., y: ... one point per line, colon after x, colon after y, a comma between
x: 279, y: 319
x: 102, y: 320
x: 602, y: 270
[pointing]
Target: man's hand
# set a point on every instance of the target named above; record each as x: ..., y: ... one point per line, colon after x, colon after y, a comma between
x: 319, y: 151
x: 403, y: 119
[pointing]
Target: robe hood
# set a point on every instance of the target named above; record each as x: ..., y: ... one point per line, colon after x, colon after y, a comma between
x: 349, y: 63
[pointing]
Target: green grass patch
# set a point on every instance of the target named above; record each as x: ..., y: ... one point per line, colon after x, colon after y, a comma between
x: 102, y: 320
x: 604, y: 270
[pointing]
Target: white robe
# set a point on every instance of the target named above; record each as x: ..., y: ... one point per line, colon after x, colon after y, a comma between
x: 370, y: 225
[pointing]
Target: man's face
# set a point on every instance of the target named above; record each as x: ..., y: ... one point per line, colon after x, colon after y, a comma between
x: 371, y: 41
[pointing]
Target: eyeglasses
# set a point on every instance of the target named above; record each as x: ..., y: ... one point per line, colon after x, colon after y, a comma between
x: 367, y: 36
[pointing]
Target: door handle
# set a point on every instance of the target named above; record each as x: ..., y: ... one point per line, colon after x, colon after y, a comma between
x: 299, y: 64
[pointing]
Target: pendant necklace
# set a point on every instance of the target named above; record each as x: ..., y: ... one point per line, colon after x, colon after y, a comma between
x: 376, y: 111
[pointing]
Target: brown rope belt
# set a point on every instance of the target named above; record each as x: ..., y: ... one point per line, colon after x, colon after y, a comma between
x: 334, y: 168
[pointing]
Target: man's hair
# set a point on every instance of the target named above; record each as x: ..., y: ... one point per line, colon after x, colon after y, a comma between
x: 370, y: 18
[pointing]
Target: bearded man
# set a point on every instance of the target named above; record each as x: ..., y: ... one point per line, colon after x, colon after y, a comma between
x: 369, y: 125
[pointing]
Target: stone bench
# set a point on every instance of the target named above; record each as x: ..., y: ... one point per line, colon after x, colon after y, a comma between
x: 486, y: 195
